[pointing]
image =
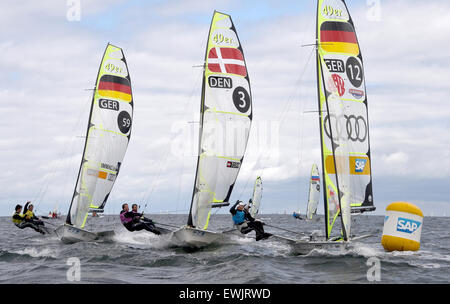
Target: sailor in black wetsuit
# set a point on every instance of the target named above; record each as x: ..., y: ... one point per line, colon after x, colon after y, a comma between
x: 21, y: 221
x: 134, y: 221
x: 245, y: 223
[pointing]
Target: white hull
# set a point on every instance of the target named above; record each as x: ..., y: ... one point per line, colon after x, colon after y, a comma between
x: 193, y: 237
x: 301, y: 247
x: 69, y: 234
x: 305, y: 247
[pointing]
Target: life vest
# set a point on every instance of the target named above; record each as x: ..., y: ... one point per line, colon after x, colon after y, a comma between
x: 123, y: 219
x: 239, y: 217
x: 29, y: 214
x: 15, y: 220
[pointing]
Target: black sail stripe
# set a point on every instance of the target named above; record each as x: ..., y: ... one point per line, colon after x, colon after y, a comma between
x: 337, y: 26
x: 115, y: 79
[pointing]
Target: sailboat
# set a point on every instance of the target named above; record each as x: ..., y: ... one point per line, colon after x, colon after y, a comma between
x: 107, y: 137
x: 225, y: 120
x: 344, y: 127
x: 256, y: 197
x: 313, y: 199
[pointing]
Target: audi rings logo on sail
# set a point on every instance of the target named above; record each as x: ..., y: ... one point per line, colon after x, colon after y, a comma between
x: 349, y: 127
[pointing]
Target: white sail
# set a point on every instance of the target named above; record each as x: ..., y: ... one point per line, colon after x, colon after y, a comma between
x: 256, y: 198
x: 226, y: 114
x: 341, y: 151
x: 314, y: 192
x: 107, y: 137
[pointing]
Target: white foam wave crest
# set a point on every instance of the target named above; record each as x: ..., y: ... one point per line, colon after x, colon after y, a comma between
x: 354, y: 249
x: 38, y: 253
x: 141, y: 239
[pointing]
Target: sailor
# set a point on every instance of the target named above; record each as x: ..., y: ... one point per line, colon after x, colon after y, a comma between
x: 134, y: 221
x: 20, y: 221
x: 297, y: 215
x: 245, y: 223
x: 29, y: 215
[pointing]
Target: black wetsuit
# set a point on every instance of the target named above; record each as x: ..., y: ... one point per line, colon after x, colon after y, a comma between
x: 137, y: 224
x: 252, y: 224
x: 25, y: 223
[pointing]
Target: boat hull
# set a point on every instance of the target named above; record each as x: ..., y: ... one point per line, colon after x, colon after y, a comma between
x: 69, y: 234
x: 193, y: 237
x: 305, y: 247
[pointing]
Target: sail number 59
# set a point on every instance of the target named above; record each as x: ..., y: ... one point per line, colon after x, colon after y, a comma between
x: 124, y: 122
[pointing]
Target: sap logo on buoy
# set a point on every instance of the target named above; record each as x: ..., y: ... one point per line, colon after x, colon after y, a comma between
x: 407, y: 225
x: 360, y: 164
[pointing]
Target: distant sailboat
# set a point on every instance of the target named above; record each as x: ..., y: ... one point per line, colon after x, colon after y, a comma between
x: 107, y: 137
x: 256, y: 197
x: 313, y: 199
x: 225, y: 120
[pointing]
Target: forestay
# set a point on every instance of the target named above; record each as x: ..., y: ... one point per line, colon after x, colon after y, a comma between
x: 343, y: 116
x: 226, y: 114
x: 107, y: 137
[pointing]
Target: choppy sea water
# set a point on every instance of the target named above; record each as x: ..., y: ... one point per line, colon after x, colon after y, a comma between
x: 142, y: 257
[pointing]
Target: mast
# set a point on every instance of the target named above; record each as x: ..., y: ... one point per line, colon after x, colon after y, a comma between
x: 325, y: 199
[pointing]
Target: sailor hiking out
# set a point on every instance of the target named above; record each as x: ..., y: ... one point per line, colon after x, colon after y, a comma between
x: 135, y: 221
x: 27, y: 218
x: 245, y: 223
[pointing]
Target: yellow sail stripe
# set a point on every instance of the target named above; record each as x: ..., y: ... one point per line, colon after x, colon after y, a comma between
x: 212, y: 110
x: 110, y: 131
x: 115, y: 94
x: 340, y: 47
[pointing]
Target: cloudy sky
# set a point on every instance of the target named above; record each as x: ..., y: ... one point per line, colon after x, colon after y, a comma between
x: 49, y: 56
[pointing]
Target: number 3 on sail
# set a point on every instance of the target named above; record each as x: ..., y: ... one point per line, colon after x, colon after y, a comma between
x: 241, y: 99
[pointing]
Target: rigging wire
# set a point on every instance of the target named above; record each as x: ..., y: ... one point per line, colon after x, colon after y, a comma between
x: 308, y: 25
x: 56, y: 165
x: 283, y: 113
x: 185, y: 112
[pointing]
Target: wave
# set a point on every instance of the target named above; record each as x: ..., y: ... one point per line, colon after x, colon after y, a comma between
x: 140, y: 239
x: 38, y: 253
x: 33, y: 252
